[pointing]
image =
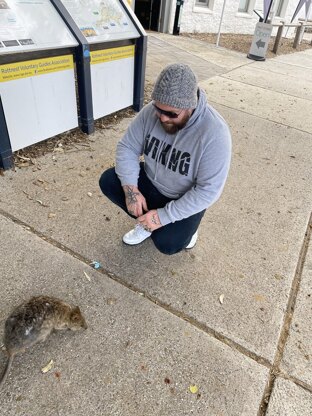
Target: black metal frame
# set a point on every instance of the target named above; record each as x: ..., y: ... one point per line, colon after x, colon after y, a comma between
x: 6, y: 154
x: 139, y: 65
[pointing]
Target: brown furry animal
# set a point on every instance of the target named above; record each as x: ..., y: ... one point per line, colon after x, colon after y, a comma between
x: 33, y: 321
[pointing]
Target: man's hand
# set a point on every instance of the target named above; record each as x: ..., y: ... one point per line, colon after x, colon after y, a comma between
x: 150, y: 221
x: 135, y: 201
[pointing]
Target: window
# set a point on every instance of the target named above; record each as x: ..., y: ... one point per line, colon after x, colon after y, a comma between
x: 243, y: 6
x: 203, y: 6
x: 278, y: 7
x: 204, y: 3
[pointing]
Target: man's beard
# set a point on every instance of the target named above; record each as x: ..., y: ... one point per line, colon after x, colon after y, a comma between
x: 174, y: 128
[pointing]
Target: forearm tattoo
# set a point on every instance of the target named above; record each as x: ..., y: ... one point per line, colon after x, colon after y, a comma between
x: 131, y: 195
x: 155, y: 219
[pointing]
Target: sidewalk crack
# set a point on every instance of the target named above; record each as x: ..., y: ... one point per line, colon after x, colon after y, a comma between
x: 275, y: 369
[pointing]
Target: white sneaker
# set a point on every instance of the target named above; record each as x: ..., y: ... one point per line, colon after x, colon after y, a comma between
x: 192, y: 243
x: 136, y: 236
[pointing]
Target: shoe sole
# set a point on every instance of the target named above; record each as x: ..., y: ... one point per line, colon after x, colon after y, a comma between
x: 190, y: 247
x: 134, y: 244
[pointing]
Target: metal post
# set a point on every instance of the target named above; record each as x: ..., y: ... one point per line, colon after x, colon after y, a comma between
x: 85, y: 88
x: 265, y: 18
x: 177, y: 17
x: 6, y: 155
x: 221, y: 18
x: 139, y: 73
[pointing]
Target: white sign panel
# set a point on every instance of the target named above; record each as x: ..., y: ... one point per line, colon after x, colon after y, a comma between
x: 101, y: 20
x: 260, y: 40
x: 112, y: 74
x: 31, y: 25
x: 39, y: 99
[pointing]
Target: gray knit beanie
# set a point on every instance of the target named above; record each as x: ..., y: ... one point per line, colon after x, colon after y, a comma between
x: 176, y: 86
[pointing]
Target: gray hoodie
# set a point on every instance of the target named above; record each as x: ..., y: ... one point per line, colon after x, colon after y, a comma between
x: 190, y: 166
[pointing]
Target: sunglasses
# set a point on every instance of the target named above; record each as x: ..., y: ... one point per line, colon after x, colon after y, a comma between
x: 169, y: 114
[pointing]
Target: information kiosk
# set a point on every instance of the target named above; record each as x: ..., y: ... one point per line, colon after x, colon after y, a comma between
x: 117, y: 52
x: 37, y: 79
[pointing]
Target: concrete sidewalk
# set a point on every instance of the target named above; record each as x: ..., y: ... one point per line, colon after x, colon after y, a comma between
x: 156, y: 323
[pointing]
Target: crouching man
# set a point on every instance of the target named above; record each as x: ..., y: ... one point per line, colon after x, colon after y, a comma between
x: 186, y: 146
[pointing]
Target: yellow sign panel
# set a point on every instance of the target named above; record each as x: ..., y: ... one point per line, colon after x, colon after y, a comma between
x: 10, y: 72
x: 113, y: 54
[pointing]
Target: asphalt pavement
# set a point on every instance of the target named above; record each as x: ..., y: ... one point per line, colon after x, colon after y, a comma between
x: 223, y: 329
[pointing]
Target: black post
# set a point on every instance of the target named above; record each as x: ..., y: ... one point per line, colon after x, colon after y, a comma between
x: 260, y: 17
x: 269, y: 9
x: 177, y: 17
x: 139, y: 64
x: 83, y: 69
x: 6, y: 155
x: 139, y: 73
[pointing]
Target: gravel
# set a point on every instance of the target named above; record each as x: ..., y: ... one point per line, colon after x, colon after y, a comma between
x: 241, y: 43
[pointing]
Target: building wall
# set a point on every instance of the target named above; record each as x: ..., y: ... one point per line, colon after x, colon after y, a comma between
x: 204, y: 20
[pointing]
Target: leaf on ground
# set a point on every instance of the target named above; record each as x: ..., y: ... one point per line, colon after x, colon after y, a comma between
x: 193, y: 388
x: 278, y: 276
x: 23, y: 157
x: 111, y: 301
x: 259, y: 298
x: 87, y: 276
x: 48, y: 367
x: 221, y: 299
x: 41, y: 203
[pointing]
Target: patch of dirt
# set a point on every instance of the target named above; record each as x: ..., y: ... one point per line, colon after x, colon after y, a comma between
x: 242, y: 43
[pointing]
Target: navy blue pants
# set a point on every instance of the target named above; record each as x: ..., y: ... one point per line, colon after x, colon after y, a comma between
x: 169, y: 239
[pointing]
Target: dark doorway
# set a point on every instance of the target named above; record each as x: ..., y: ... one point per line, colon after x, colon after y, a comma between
x: 147, y: 11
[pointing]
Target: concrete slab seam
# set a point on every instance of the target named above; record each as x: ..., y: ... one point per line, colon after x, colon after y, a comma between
x: 259, y: 117
x: 206, y: 45
x: 207, y: 60
x: 275, y: 371
x: 200, y: 326
x: 296, y: 381
x: 258, y: 86
x: 290, y: 63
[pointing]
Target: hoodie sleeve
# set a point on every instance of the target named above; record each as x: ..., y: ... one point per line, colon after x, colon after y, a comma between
x: 129, y: 150
x: 211, y: 177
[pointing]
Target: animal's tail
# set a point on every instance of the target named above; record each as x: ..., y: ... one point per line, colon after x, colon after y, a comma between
x: 6, y: 370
